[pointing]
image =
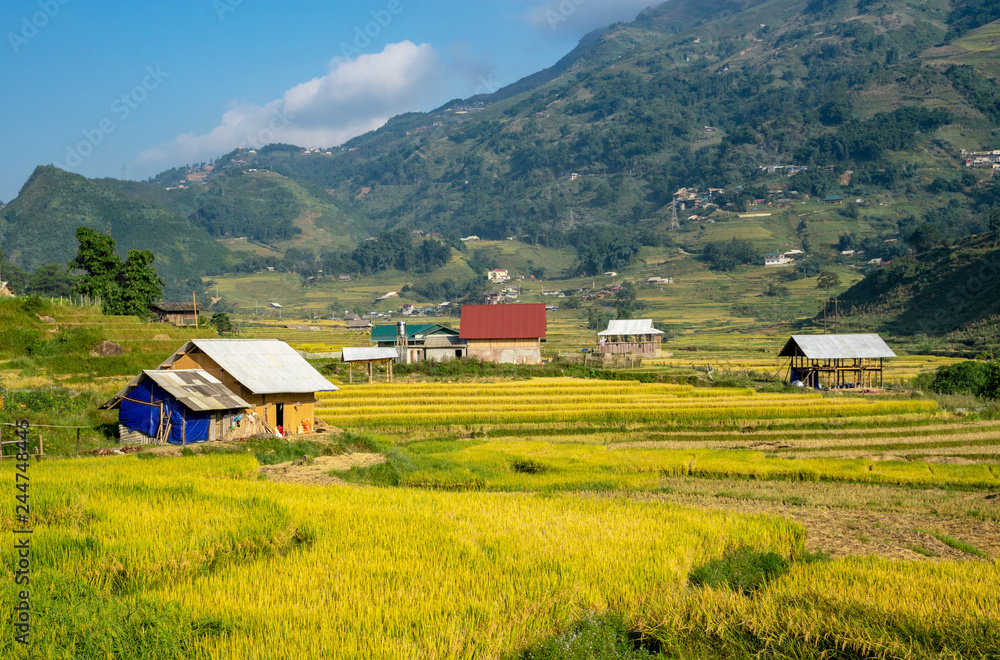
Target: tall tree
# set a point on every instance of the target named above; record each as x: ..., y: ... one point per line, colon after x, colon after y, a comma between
x: 995, y: 225
x: 124, y: 288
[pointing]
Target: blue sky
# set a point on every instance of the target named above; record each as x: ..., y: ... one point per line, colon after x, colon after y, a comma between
x: 92, y: 86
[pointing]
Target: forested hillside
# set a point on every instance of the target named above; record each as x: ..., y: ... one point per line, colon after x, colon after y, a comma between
x: 39, y: 227
x: 767, y: 103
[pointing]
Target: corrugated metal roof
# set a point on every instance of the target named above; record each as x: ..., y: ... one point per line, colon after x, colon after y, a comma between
x: 263, y: 366
x: 832, y: 347
x: 631, y: 327
x: 354, y: 354
x: 388, y: 332
x: 503, y: 321
x: 196, y: 389
x: 176, y: 307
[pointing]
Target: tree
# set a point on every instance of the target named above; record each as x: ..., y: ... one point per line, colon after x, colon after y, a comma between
x: 139, y: 283
x: 124, y: 288
x: 222, y: 323
x: 924, y: 237
x: 828, y: 280
x: 51, y: 280
x: 95, y: 256
x: 995, y: 224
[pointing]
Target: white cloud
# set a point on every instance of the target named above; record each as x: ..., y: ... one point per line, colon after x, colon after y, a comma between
x: 582, y: 16
x: 355, y: 96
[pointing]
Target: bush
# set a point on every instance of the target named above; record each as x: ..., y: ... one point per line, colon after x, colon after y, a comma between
x: 592, y: 638
x: 981, y: 379
x: 741, y: 569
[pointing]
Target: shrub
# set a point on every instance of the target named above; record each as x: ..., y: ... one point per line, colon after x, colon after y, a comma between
x: 741, y: 569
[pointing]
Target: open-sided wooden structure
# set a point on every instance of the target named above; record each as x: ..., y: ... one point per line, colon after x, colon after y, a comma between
x: 630, y: 337
x: 369, y: 357
x: 836, y: 360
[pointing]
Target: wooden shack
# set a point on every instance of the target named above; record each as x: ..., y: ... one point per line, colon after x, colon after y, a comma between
x: 268, y: 373
x: 630, y: 336
x: 836, y: 361
x: 504, y: 333
x: 177, y: 313
x: 6, y: 291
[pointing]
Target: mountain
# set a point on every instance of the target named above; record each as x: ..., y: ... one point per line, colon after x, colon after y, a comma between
x: 945, y: 292
x: 39, y: 226
x: 877, y: 98
x: 872, y: 101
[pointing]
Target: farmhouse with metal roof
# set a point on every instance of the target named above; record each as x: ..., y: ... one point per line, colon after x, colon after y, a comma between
x: 630, y: 336
x: 504, y: 333
x: 841, y: 360
x: 268, y: 373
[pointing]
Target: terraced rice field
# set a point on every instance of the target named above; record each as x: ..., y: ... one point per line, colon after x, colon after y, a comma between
x: 574, y: 400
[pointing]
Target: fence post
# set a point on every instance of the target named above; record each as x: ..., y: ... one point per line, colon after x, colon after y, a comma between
x: 78, y: 443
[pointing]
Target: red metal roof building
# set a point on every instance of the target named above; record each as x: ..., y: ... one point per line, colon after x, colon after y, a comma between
x: 504, y: 333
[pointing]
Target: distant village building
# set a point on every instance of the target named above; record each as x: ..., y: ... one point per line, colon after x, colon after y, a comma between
x: 660, y: 280
x: 833, y: 199
x: 359, y: 324
x: 418, y: 342
x: 632, y: 336
x: 6, y: 291
x: 504, y: 333
x: 498, y: 275
x: 982, y: 158
x: 839, y: 360
x: 177, y: 313
x: 776, y: 259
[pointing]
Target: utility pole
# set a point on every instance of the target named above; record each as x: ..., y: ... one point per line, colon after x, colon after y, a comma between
x: 194, y: 304
x: 674, y: 222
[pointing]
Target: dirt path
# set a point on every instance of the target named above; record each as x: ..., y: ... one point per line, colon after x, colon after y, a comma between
x: 317, y: 471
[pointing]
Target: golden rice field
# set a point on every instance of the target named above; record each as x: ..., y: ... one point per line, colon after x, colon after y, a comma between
x: 260, y: 570
x: 567, y: 400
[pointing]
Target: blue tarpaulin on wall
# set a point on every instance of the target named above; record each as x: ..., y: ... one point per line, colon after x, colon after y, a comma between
x: 187, y: 425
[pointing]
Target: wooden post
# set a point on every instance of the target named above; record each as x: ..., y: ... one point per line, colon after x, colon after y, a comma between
x: 41, y: 446
x: 350, y: 372
x: 78, y: 443
x: 194, y: 304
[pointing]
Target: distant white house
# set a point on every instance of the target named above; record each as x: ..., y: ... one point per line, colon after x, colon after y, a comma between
x: 391, y: 294
x: 498, y: 275
x: 776, y: 259
x: 611, y: 273
x: 470, y: 238
x: 660, y: 280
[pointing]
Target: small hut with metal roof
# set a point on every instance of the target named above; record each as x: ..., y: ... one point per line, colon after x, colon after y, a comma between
x: 630, y: 336
x: 180, y: 407
x: 369, y: 357
x: 279, y: 384
x: 839, y: 360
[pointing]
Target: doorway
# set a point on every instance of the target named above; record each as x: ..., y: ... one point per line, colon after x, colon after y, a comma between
x: 279, y: 414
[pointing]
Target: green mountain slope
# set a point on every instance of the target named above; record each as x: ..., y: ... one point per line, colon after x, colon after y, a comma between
x: 946, y: 292
x: 39, y: 226
x: 692, y: 94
